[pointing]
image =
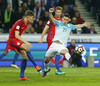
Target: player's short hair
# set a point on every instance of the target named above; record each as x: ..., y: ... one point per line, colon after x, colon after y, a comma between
x: 28, y: 13
x: 66, y: 15
x: 59, y: 8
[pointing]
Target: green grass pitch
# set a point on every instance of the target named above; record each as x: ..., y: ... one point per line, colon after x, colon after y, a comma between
x: 73, y: 77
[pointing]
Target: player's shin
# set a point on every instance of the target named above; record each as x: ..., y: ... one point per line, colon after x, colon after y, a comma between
x: 67, y: 56
x: 31, y: 58
x: 42, y: 67
x: 23, y: 67
x: 2, y: 55
x: 57, y: 59
x: 46, y: 66
x: 15, y: 58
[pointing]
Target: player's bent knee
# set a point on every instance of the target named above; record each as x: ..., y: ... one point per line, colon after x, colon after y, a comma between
x: 24, y: 47
x: 27, y: 49
x: 23, y: 54
x: 47, y: 59
x: 64, y: 51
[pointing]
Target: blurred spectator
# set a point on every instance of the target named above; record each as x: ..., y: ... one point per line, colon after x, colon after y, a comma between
x: 72, y: 11
x: 78, y: 31
x: 1, y: 31
x: 0, y: 20
x: 19, y: 13
x: 45, y: 18
x: 85, y: 30
x: 70, y: 4
x: 79, y: 19
x: 64, y: 9
x: 62, y: 2
x: 92, y: 30
x: 7, y: 19
x: 30, y: 29
x: 43, y: 4
x: 39, y: 27
x: 30, y: 3
x: 73, y: 21
x: 24, y: 8
x: 76, y: 60
x: 13, y: 4
x: 71, y: 47
x: 52, y: 4
x: 37, y: 12
x: 3, y: 4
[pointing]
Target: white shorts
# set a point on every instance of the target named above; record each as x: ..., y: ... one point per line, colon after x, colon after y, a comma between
x: 54, y: 48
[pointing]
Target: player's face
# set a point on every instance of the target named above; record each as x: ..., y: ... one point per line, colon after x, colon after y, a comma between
x: 65, y: 20
x: 30, y: 19
x: 58, y: 13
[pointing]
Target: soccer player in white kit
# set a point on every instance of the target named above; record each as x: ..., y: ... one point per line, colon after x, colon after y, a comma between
x: 62, y: 31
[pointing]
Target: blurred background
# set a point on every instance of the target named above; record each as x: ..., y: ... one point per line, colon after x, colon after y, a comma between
x: 80, y: 11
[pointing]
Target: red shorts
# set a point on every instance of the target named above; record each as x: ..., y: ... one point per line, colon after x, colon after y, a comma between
x: 9, y: 47
x: 16, y: 44
x: 49, y: 41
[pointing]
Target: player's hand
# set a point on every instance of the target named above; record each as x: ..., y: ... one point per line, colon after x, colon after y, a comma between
x: 29, y: 45
x: 86, y: 24
x: 40, y: 41
x: 51, y: 10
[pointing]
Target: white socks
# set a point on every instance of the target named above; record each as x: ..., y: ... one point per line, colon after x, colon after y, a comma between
x: 67, y: 56
x: 46, y: 66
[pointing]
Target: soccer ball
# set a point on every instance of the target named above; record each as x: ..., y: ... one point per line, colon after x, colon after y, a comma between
x: 80, y: 49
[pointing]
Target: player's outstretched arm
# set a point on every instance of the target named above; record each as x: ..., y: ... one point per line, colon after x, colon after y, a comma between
x: 43, y: 33
x: 51, y: 16
x: 22, y: 40
x: 82, y: 25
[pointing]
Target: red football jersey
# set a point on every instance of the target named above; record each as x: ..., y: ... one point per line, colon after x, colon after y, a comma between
x: 18, y: 26
x: 51, y: 32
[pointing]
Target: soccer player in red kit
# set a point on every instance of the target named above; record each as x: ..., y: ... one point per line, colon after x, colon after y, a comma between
x: 50, y: 36
x: 17, y: 42
x: 7, y: 49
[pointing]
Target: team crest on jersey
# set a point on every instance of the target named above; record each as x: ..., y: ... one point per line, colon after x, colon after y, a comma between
x: 18, y: 43
x: 17, y: 27
x: 48, y: 22
x: 68, y: 25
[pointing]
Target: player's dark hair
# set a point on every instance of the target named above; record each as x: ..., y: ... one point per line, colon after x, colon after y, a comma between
x: 66, y: 15
x: 28, y: 13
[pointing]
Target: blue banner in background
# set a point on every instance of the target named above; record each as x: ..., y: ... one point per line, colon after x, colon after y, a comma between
x: 38, y: 51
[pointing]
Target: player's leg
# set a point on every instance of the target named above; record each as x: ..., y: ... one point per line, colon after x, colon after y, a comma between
x: 26, y: 48
x: 7, y: 49
x: 46, y: 64
x: 23, y: 65
x: 66, y: 53
x: 42, y: 67
x: 57, y: 61
x: 49, y: 54
x: 3, y: 54
x: 15, y: 59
